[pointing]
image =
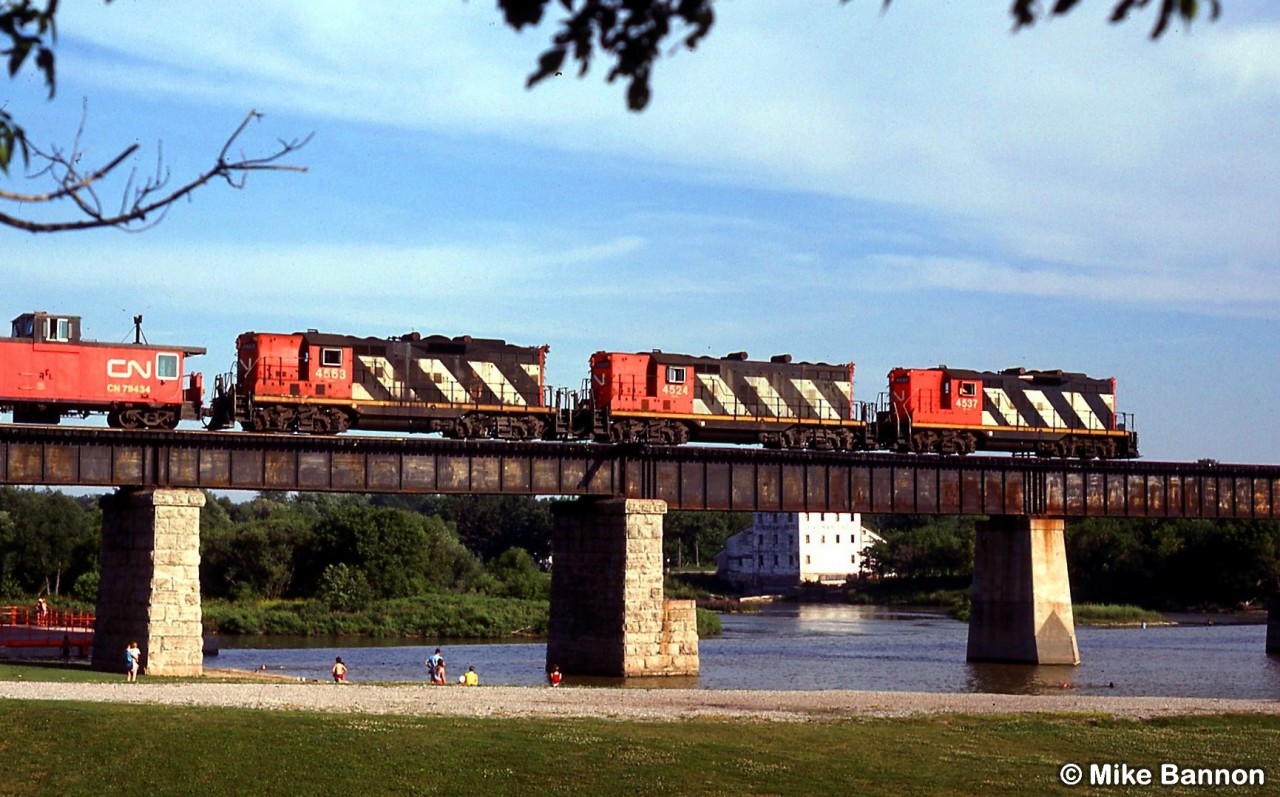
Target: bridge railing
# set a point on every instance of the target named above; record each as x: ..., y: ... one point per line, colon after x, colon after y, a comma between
x: 61, y: 619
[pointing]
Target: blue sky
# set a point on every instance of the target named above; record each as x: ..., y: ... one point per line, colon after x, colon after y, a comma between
x: 912, y: 188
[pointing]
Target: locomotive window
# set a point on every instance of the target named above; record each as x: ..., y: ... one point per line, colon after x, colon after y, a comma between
x: 675, y: 374
x: 166, y: 366
x: 331, y: 358
x: 968, y: 389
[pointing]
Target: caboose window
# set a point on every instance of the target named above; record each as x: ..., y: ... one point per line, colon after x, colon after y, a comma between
x: 675, y: 374
x: 57, y: 329
x: 968, y: 389
x: 166, y: 366
x: 331, y: 358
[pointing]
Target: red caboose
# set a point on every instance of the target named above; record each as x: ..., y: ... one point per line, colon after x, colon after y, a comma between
x: 49, y: 372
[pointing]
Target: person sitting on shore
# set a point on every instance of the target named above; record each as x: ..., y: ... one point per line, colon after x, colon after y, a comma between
x: 471, y: 678
x: 554, y: 676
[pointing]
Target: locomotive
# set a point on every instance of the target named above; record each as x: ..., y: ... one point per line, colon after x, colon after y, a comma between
x: 466, y: 388
x: 1049, y: 413
x: 671, y: 399
x: 321, y: 383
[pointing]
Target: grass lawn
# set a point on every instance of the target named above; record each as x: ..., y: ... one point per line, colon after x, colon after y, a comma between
x: 94, y: 749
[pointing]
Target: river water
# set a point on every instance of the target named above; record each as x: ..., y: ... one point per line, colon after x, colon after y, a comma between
x: 821, y: 646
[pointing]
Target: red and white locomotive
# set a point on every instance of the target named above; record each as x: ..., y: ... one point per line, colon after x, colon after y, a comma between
x: 50, y: 372
x: 1050, y: 413
x: 669, y: 399
x: 461, y: 387
x: 320, y: 383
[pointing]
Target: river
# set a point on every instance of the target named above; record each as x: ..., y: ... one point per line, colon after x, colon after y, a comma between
x: 823, y: 646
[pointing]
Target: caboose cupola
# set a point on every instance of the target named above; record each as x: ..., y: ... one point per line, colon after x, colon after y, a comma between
x: 43, y: 327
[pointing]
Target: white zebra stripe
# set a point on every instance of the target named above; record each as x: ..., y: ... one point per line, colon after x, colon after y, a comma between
x: 497, y: 381
x: 771, y: 402
x: 810, y: 393
x: 1004, y: 406
x: 1081, y: 407
x: 444, y: 379
x: 1041, y: 404
x: 719, y: 391
x: 385, y: 375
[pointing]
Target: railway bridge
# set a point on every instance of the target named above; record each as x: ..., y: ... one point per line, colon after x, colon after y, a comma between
x: 608, y: 613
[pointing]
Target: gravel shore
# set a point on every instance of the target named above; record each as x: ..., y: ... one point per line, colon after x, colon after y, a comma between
x: 617, y: 704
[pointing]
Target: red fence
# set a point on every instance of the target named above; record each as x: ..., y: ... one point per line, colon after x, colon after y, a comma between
x: 53, y: 619
x: 28, y: 627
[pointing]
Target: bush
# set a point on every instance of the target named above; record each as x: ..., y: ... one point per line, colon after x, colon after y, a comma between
x: 709, y: 624
x: 86, y: 587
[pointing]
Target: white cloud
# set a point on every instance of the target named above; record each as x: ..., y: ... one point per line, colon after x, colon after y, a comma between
x: 1073, y: 142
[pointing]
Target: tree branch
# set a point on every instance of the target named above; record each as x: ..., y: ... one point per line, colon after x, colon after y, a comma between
x: 139, y: 205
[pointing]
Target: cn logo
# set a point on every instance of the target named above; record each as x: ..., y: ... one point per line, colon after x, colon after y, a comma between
x: 126, y: 369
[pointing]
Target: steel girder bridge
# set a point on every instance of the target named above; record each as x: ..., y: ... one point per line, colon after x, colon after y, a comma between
x: 687, y: 477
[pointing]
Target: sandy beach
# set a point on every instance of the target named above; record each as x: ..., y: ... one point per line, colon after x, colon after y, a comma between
x: 618, y: 704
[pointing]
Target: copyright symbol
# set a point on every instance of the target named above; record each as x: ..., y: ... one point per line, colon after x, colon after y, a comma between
x: 1070, y: 774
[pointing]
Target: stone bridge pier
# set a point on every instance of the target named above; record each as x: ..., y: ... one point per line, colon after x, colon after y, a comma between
x: 609, y: 615
x: 150, y: 587
x: 1021, y: 595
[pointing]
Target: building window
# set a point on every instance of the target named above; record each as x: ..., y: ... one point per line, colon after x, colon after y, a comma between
x: 853, y: 560
x: 837, y: 539
x: 824, y: 539
x: 760, y: 541
x: 807, y: 560
x: 806, y: 539
x: 760, y: 560
x: 775, y: 560
x: 775, y: 540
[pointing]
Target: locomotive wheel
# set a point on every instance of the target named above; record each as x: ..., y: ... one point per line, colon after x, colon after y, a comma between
x: 669, y: 433
x: 625, y: 431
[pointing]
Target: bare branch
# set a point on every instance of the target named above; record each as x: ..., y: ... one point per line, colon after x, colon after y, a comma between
x: 142, y: 205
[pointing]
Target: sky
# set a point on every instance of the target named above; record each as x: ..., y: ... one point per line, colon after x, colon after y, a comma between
x: 908, y: 188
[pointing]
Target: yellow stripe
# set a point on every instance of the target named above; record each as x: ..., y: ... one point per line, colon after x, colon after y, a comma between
x: 357, y: 404
x: 1054, y: 430
x: 734, y: 419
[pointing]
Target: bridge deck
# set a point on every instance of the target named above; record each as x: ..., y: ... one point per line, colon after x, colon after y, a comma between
x: 686, y: 477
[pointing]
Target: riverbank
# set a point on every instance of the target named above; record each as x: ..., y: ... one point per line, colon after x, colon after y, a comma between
x: 635, y: 704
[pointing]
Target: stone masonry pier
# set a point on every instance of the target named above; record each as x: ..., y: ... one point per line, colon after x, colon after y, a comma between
x: 150, y: 587
x: 608, y: 612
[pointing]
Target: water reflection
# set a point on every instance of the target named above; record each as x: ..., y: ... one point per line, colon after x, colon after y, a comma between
x: 829, y: 646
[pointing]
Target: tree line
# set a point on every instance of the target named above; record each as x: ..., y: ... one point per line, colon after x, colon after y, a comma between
x: 345, y: 550
x: 1158, y: 564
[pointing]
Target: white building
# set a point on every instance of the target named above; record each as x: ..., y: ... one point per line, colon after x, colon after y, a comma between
x: 787, y: 549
